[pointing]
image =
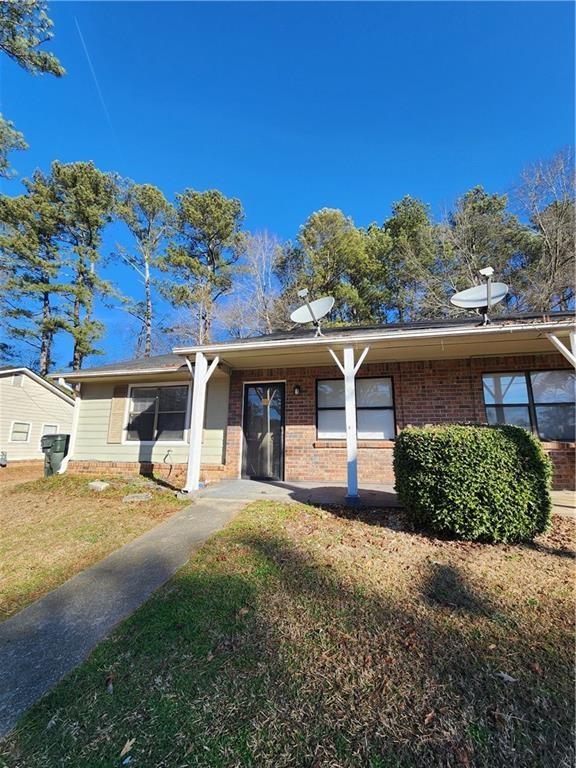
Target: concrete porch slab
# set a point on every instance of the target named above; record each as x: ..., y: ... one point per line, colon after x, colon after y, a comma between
x: 564, y: 503
x: 371, y: 494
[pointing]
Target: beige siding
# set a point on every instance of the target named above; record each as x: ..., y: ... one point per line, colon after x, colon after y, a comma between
x: 33, y: 403
x: 93, y: 429
x: 215, y: 420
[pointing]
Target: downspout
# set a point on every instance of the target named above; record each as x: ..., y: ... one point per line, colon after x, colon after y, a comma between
x: 74, y: 431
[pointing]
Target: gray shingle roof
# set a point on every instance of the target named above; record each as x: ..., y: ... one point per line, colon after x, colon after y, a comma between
x: 168, y: 362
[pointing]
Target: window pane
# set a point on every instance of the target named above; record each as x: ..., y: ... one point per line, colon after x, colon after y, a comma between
x: 331, y: 425
x: 144, y: 399
x: 518, y: 415
x: 49, y: 429
x: 505, y: 388
x: 170, y: 426
x: 553, y: 386
x: 141, y: 426
x: 372, y: 393
x: 20, y: 432
x: 555, y: 422
x: 173, y: 398
x: 331, y: 393
x: 375, y: 425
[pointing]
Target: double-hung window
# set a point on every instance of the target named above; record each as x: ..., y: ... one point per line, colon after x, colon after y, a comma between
x: 20, y: 432
x: 374, y: 409
x: 541, y: 401
x: 157, y: 413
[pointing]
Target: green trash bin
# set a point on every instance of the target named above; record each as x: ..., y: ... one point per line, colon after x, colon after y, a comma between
x: 55, y: 447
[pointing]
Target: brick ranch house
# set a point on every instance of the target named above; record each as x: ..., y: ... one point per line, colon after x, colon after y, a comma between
x: 296, y: 406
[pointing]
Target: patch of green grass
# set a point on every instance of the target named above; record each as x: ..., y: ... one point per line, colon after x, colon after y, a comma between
x: 296, y: 637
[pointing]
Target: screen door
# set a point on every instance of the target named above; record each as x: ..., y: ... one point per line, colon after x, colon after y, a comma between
x: 263, y: 449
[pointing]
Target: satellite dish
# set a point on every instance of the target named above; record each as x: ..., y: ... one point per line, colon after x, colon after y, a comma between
x: 477, y: 297
x: 312, y: 311
x: 481, y: 297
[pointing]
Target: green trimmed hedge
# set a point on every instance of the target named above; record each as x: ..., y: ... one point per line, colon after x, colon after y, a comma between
x: 488, y: 483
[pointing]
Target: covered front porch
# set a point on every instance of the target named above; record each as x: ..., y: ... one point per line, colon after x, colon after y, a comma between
x: 334, y: 404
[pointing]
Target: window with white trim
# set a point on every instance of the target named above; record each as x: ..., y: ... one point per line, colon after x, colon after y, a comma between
x: 157, y: 413
x: 374, y: 409
x: 49, y: 429
x: 20, y: 432
x: 540, y: 401
x: 18, y: 380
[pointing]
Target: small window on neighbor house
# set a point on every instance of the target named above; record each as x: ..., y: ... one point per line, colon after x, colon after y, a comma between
x: 374, y: 409
x: 49, y: 429
x: 18, y: 380
x: 20, y: 432
x: 157, y: 413
x: 541, y: 401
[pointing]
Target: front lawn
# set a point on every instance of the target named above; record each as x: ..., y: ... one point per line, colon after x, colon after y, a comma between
x: 52, y: 528
x: 298, y: 637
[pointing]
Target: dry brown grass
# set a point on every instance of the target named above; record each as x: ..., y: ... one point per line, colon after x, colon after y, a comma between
x: 16, y: 473
x: 52, y: 528
x: 302, y: 637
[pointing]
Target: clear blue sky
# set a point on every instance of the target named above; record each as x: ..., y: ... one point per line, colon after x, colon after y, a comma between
x: 295, y: 106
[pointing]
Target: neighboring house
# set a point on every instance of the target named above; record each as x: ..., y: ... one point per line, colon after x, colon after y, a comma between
x: 296, y: 406
x: 30, y: 406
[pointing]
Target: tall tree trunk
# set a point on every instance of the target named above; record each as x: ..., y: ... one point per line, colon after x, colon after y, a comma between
x: 46, y: 335
x: 148, y: 311
x: 77, y: 357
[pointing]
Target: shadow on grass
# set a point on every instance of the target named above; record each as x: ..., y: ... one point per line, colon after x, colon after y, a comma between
x: 445, y: 586
x: 261, y: 654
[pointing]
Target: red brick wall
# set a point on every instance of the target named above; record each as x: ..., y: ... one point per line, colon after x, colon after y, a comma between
x: 425, y: 392
x: 175, y: 473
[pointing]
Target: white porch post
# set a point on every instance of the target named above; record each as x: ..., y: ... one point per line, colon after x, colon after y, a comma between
x: 349, y: 371
x: 563, y: 349
x: 201, y: 375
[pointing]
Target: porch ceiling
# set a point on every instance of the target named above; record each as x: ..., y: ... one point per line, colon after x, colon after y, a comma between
x: 475, y: 342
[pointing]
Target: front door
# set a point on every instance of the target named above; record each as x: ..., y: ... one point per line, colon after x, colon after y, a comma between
x: 263, y: 444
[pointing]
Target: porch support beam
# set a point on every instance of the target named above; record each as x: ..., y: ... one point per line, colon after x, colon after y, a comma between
x: 201, y: 375
x: 563, y: 349
x: 349, y: 370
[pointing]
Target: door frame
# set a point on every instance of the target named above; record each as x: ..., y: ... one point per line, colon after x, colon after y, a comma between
x: 259, y: 382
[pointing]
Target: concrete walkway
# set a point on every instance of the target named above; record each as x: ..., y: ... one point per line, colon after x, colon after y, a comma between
x: 48, y: 639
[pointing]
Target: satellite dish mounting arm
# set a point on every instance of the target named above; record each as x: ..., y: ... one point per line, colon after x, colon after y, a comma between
x: 303, y: 294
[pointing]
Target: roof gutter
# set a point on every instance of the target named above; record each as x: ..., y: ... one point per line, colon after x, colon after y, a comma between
x: 118, y: 372
x: 316, y: 341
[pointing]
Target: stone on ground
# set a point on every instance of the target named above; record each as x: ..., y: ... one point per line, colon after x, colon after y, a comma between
x: 98, y: 485
x: 135, y: 498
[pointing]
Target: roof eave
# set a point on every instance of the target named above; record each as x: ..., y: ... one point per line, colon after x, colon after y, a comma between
x: 44, y: 382
x: 222, y: 348
x: 78, y: 375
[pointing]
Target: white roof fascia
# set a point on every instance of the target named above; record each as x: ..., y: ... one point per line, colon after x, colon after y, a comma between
x: 118, y: 372
x: 372, y: 337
